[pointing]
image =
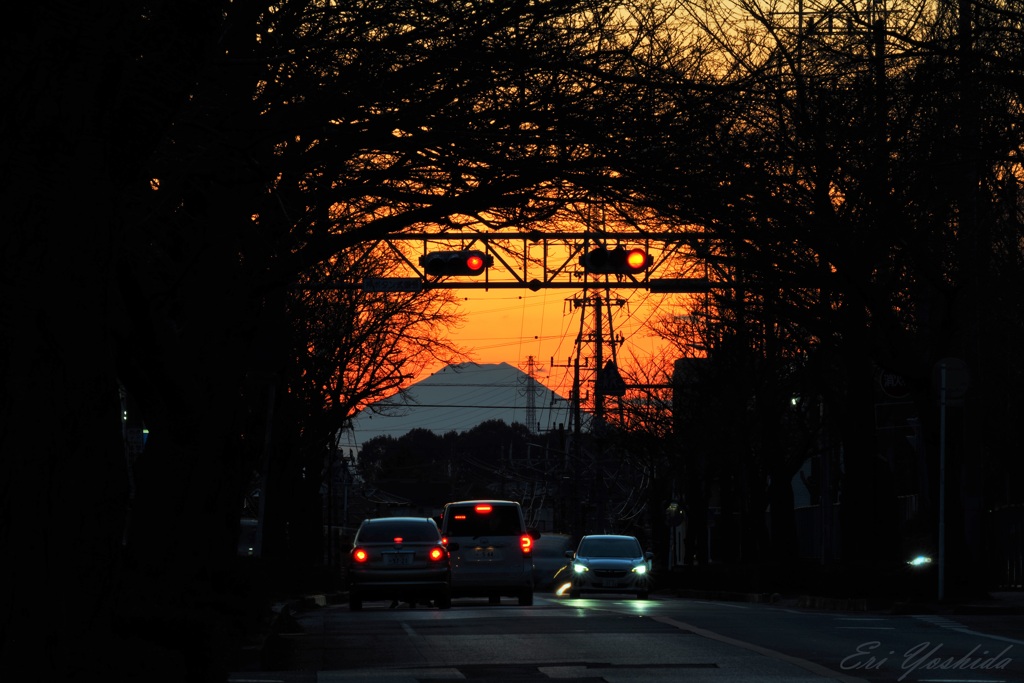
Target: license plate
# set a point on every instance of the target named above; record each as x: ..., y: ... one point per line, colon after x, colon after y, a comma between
x: 486, y: 554
x: 397, y: 558
x: 609, y: 583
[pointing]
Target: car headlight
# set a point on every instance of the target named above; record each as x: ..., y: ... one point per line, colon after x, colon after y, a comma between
x: 920, y: 561
x: 580, y: 568
x: 640, y: 569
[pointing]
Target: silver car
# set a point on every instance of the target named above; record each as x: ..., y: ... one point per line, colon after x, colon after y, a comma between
x: 605, y: 563
x: 492, y: 550
x: 399, y: 558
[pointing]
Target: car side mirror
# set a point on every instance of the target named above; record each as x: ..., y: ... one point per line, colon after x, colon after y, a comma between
x: 648, y: 555
x: 570, y: 554
x: 534, y: 533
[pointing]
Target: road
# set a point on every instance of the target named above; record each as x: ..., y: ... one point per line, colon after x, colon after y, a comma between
x: 617, y: 640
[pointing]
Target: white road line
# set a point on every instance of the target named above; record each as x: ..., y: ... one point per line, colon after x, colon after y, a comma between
x: 944, y: 622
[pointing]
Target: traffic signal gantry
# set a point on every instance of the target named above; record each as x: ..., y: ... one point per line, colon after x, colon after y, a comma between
x: 586, y: 257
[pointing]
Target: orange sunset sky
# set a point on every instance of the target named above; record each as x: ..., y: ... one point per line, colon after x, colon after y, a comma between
x: 510, y: 326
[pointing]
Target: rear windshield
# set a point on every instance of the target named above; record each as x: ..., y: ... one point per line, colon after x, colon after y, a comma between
x: 387, y: 532
x: 609, y: 547
x: 500, y: 520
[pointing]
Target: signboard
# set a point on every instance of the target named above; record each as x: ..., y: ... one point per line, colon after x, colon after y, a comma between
x: 136, y: 439
x: 893, y: 384
x: 392, y: 284
x: 894, y: 408
x: 950, y: 380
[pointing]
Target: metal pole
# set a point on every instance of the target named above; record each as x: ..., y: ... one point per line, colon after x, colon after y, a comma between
x: 598, y: 363
x: 330, y: 504
x: 942, y: 481
x: 265, y: 471
x: 577, y: 443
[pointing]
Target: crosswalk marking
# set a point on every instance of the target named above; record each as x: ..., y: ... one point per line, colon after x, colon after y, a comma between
x: 939, y: 620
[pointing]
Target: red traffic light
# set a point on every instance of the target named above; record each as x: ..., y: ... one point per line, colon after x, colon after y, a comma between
x: 637, y: 260
x: 441, y: 263
x: 617, y: 261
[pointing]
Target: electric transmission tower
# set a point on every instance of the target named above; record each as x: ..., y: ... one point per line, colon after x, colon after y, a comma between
x: 531, y: 393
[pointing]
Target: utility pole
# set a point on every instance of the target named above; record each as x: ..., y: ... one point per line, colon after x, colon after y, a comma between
x: 598, y: 363
x: 606, y: 382
x: 594, y: 335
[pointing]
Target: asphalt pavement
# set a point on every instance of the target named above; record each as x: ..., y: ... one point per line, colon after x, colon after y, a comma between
x: 999, y: 613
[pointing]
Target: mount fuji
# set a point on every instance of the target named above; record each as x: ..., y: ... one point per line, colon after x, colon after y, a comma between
x: 459, y: 397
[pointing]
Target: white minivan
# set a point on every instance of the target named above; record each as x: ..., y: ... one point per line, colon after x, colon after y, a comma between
x: 491, y: 550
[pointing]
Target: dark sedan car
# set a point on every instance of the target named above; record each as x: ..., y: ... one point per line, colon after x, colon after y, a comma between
x: 399, y: 558
x: 605, y: 563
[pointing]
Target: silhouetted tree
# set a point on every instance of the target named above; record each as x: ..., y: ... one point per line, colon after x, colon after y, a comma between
x: 348, y: 348
x: 172, y: 169
x: 856, y: 220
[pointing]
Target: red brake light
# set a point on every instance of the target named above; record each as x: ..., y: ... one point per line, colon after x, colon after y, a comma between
x: 483, y: 509
x: 526, y: 543
x: 436, y: 554
x: 360, y: 555
x: 460, y: 517
x: 398, y: 540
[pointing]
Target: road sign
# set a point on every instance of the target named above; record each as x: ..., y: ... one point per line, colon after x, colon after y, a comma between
x: 893, y: 385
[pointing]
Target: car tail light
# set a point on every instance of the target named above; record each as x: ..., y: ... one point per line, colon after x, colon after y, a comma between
x: 360, y: 555
x: 483, y: 509
x: 444, y: 541
x: 398, y: 540
x: 436, y: 554
x: 526, y: 543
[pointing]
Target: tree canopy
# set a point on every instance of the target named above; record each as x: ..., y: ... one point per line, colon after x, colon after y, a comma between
x: 178, y: 176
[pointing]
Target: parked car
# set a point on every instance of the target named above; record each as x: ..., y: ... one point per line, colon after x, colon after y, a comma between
x: 549, y: 557
x: 399, y: 559
x: 605, y: 563
x: 492, y: 550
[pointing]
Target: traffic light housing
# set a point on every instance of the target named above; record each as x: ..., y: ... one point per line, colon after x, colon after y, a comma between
x: 617, y: 261
x: 467, y: 262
